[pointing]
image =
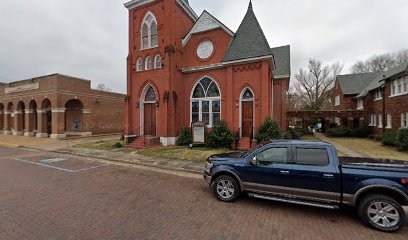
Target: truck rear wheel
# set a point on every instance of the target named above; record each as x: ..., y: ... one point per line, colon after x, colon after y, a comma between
x: 226, y: 188
x: 381, y: 212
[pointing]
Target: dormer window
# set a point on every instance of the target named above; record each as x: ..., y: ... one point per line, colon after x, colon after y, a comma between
x: 149, y: 32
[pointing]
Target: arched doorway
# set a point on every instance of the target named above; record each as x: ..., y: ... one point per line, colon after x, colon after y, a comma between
x: 10, y: 116
x: 148, y: 111
x: 33, y: 117
x: 47, y: 119
x: 73, y: 115
x: 20, y: 126
x: 247, y: 112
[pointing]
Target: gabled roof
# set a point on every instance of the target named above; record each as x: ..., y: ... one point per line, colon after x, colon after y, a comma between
x: 379, y: 80
x: 353, y: 84
x: 183, y: 3
x: 282, y: 61
x: 206, y: 22
x: 249, y: 41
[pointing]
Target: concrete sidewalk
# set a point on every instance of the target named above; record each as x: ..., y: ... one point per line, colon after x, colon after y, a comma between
x: 341, y: 149
x: 125, y: 155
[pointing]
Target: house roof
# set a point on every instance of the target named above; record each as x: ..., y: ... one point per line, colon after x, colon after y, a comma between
x: 206, y: 22
x: 249, y: 41
x: 353, y: 84
x: 378, y: 81
x: 282, y: 61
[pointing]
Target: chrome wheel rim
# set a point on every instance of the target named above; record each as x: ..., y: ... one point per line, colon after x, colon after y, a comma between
x: 383, y: 214
x: 225, y: 189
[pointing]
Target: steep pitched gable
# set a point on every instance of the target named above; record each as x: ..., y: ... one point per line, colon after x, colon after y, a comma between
x: 249, y: 41
x: 353, y: 84
x: 282, y: 61
x: 206, y: 22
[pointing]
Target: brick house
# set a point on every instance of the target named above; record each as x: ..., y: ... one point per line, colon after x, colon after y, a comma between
x: 58, y: 106
x: 383, y: 97
x: 184, y: 68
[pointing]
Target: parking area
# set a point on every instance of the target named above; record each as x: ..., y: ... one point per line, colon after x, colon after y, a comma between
x: 51, y: 196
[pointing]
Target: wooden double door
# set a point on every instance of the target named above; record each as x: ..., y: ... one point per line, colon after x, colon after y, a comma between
x: 247, y: 118
x: 149, y: 119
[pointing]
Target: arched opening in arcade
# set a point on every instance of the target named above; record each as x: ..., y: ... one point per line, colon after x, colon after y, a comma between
x: 47, y: 118
x: 73, y: 115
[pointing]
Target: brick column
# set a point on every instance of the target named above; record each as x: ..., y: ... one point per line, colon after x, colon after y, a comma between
x: 41, y: 124
x: 87, y: 124
x: 1, y: 122
x: 58, y: 123
x: 18, y: 123
x: 7, y: 119
x: 29, y: 123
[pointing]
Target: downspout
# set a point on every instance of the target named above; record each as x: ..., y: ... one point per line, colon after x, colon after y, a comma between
x: 383, y: 102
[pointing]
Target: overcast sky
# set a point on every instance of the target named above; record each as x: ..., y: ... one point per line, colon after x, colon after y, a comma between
x: 88, y: 38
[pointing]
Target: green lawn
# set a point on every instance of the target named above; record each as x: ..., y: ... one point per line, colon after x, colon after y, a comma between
x: 198, y: 154
x: 371, y: 148
x: 102, y: 145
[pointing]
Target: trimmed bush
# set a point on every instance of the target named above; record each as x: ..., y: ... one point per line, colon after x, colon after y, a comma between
x: 378, y: 138
x: 221, y: 136
x: 184, y: 138
x: 287, y: 135
x: 390, y: 138
x: 268, y: 130
x: 402, y: 139
x: 117, y: 145
x: 339, y: 132
x: 361, y: 131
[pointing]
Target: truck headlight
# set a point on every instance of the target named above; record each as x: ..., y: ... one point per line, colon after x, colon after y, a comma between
x: 208, y: 166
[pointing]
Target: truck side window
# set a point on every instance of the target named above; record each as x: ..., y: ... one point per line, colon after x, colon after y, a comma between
x: 312, y: 156
x: 272, y: 155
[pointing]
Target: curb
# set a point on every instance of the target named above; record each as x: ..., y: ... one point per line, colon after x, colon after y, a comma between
x: 10, y: 145
x: 118, y: 160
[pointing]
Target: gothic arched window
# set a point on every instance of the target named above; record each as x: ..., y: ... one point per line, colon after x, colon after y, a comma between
x: 149, y: 32
x: 157, y: 62
x: 206, y: 102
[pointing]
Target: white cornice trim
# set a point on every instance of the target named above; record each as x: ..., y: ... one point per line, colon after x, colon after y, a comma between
x: 281, y: 76
x: 223, y: 64
x: 202, y: 25
x: 136, y: 3
x: 248, y: 60
x: 188, y: 9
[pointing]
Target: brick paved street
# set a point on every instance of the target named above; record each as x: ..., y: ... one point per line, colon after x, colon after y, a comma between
x: 78, y: 199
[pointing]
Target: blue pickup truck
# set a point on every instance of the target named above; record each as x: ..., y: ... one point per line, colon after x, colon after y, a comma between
x: 311, y: 173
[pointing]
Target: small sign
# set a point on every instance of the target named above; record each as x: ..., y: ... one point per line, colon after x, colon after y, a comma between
x: 198, y: 133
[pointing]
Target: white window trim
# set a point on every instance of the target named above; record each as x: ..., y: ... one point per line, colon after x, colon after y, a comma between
x: 200, y: 100
x: 373, y: 120
x: 139, y: 60
x: 149, y: 35
x: 376, y: 93
x: 360, y: 100
x: 404, y: 120
x: 397, y: 93
x: 146, y: 68
x: 380, y: 121
x: 155, y: 58
x: 337, y: 101
x: 389, y: 121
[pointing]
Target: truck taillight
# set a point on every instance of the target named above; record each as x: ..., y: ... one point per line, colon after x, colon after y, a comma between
x: 404, y: 181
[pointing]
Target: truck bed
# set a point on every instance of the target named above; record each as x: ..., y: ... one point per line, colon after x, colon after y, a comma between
x: 374, y: 163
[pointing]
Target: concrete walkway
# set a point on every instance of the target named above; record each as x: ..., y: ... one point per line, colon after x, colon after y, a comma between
x: 124, y: 155
x: 341, y: 149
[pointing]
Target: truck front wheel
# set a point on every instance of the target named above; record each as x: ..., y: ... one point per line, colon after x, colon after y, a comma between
x: 226, y: 188
x: 381, y: 212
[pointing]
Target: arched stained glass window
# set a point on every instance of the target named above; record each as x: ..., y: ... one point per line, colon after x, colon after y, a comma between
x: 139, y: 64
x: 157, y: 62
x: 148, y: 63
x: 150, y: 95
x: 248, y: 95
x: 206, y: 102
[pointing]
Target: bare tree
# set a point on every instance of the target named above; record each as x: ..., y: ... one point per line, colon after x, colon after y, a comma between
x: 102, y: 87
x: 315, y: 85
x: 381, y: 63
x: 294, y: 101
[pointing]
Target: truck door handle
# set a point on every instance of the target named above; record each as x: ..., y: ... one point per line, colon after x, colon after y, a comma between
x: 328, y: 175
x: 284, y: 172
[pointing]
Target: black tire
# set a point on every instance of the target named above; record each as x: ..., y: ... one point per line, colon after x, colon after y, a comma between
x: 230, y: 183
x: 368, y: 206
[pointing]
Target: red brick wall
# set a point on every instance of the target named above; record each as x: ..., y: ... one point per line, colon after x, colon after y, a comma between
x: 347, y: 102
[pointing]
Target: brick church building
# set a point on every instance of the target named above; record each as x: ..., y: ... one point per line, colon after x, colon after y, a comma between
x: 184, y: 68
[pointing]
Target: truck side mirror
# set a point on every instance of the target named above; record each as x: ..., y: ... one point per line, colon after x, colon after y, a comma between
x: 254, y: 161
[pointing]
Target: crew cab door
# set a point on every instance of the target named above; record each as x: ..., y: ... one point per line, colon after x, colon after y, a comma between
x: 315, y: 174
x: 271, y: 174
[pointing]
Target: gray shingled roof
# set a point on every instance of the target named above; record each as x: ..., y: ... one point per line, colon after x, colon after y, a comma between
x: 378, y: 81
x: 249, y: 41
x: 282, y: 61
x: 353, y: 84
